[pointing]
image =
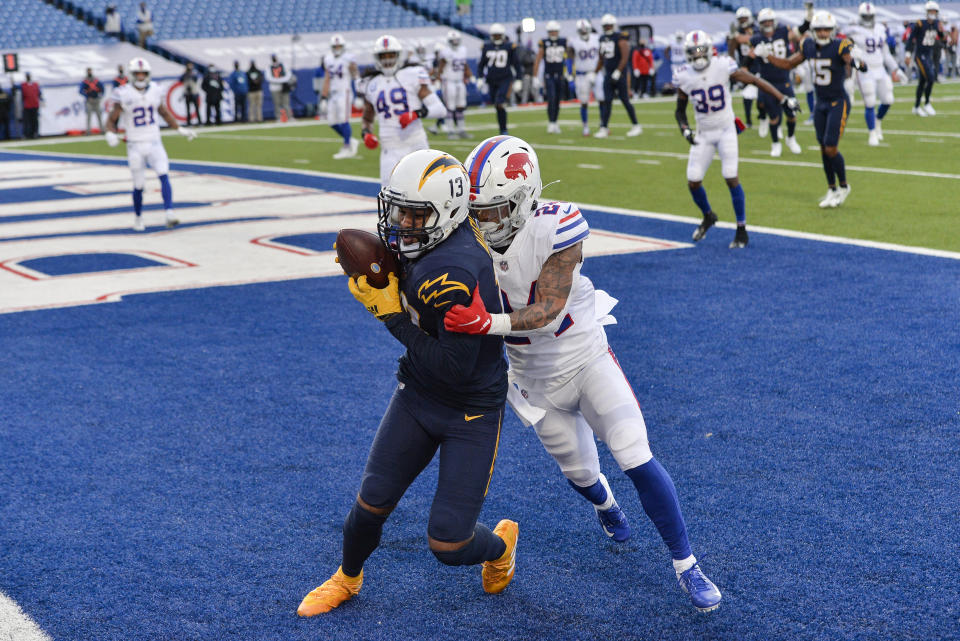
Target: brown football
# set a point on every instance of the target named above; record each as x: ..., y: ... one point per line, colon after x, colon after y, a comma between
x: 361, y: 253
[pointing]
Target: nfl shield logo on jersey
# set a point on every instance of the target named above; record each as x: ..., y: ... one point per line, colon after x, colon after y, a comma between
x: 504, y: 265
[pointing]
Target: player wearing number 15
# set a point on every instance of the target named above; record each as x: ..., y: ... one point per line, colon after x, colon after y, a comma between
x: 400, y: 98
x: 141, y: 103
x: 706, y: 79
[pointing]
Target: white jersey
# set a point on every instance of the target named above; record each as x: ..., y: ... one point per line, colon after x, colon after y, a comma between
x: 392, y: 96
x: 678, y: 56
x: 586, y: 53
x: 337, y: 69
x: 709, y: 91
x: 141, y: 118
x: 456, y: 62
x: 873, y: 42
x: 556, y: 350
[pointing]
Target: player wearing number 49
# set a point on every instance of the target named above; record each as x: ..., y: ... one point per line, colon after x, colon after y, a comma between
x: 400, y: 98
x: 832, y: 60
x: 706, y: 79
x: 566, y: 382
x: 140, y: 102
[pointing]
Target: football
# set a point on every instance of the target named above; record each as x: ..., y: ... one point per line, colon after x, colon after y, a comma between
x: 361, y: 253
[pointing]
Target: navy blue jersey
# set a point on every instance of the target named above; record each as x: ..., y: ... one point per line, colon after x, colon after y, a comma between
x: 923, y: 37
x: 780, y: 42
x: 829, y: 69
x: 741, y: 50
x: 554, y: 53
x: 462, y: 371
x: 610, y: 49
x: 498, y: 61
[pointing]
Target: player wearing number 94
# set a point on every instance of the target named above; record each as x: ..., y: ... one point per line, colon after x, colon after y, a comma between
x: 452, y: 389
x: 706, y: 79
x: 400, y: 98
x: 140, y: 103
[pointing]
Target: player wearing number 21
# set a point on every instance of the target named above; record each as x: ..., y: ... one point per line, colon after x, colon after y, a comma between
x: 140, y: 102
x: 399, y: 97
x: 706, y: 79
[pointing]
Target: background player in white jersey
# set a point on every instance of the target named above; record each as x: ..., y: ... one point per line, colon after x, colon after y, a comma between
x: 585, y: 53
x: 706, y: 79
x: 874, y: 83
x: 339, y: 72
x: 140, y: 102
x: 454, y: 72
x: 566, y: 381
x: 676, y: 52
x: 399, y: 98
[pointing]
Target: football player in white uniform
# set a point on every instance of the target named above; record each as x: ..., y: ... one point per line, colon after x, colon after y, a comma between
x: 399, y: 98
x: 339, y: 71
x: 566, y: 381
x: 141, y: 102
x: 875, y: 82
x: 706, y: 79
x: 585, y: 53
x: 454, y: 72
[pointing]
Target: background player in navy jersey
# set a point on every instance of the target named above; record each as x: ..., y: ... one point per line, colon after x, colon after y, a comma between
x: 499, y: 67
x: 552, y: 51
x: 614, y: 56
x: 452, y: 386
x: 832, y: 60
x: 742, y: 29
x: 780, y: 38
x: 924, y: 35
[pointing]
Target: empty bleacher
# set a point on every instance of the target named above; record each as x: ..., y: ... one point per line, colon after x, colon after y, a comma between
x: 31, y: 23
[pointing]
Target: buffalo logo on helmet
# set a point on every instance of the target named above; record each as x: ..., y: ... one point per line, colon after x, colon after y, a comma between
x: 517, y: 166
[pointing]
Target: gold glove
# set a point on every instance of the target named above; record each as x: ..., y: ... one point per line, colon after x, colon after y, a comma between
x: 379, y: 302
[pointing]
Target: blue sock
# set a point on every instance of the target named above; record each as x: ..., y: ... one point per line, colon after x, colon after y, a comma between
x: 840, y: 167
x: 882, y: 111
x: 871, y: 117
x: 700, y: 197
x: 343, y: 129
x: 361, y: 536
x: 596, y: 493
x: 739, y: 204
x: 583, y: 113
x: 810, y: 103
x: 659, y: 499
x: 166, y: 192
x: 484, y: 546
x: 137, y: 201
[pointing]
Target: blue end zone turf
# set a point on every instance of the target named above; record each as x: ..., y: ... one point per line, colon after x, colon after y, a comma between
x: 87, y: 263
x: 178, y: 465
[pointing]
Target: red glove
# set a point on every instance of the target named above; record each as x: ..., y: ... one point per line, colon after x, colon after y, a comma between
x: 406, y: 118
x: 370, y: 141
x: 739, y: 125
x: 468, y: 320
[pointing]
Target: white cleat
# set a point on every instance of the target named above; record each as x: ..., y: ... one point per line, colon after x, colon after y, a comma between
x: 138, y: 224
x: 602, y: 132
x: 635, y: 130
x: 586, y: 130
x: 842, y: 193
x: 763, y: 128
x: 829, y: 200
x: 929, y: 109
x: 919, y: 111
x: 793, y: 145
x: 343, y: 153
x: 879, y: 130
x: 354, y: 145
x: 776, y: 150
x: 873, y: 139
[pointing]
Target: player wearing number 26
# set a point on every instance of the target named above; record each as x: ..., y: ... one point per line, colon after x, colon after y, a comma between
x: 399, y: 98
x: 141, y: 104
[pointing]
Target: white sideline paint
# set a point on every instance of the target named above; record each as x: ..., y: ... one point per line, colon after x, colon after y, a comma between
x: 16, y: 625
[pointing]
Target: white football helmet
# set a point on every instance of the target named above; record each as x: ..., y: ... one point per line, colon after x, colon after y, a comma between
x: 453, y: 38
x: 504, y: 186
x: 139, y: 71
x: 337, y: 44
x: 608, y: 23
x: 823, y: 20
x: 768, y: 20
x: 386, y: 54
x: 867, y: 14
x: 423, y: 202
x: 699, y: 49
x: 932, y: 9
x: 498, y: 32
x: 744, y: 16
x: 678, y: 36
x: 584, y: 28
x: 553, y: 27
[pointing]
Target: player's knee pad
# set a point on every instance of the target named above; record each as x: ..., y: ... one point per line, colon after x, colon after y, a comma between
x: 582, y: 476
x: 627, y: 441
x: 139, y: 178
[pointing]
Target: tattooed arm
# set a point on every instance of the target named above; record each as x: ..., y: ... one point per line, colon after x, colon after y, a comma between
x: 553, y: 288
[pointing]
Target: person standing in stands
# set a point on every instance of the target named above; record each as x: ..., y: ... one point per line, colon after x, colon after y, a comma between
x: 255, y: 80
x: 112, y: 22
x: 191, y: 92
x: 144, y: 24
x: 92, y: 90
x: 121, y: 78
x: 213, y: 91
x: 281, y: 83
x: 31, y: 94
x: 240, y: 87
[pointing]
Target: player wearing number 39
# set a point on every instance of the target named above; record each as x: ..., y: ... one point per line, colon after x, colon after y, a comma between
x: 565, y: 380
x: 400, y: 98
x: 706, y: 79
x: 140, y: 102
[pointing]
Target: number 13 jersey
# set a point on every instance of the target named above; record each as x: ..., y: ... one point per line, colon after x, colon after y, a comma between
x: 141, y: 122
x: 394, y: 95
x: 709, y: 91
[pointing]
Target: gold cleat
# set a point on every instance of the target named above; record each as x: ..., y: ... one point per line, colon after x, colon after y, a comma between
x: 336, y: 590
x: 498, y: 574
